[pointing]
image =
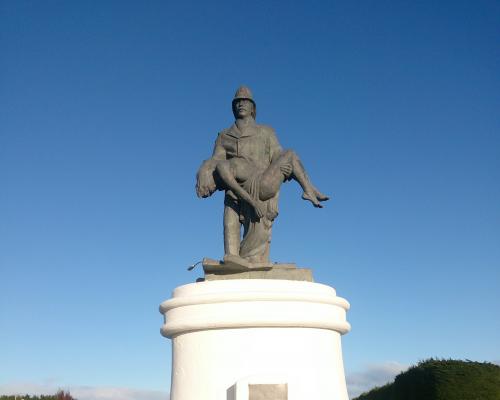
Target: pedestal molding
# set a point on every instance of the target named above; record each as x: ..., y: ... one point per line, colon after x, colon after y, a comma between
x: 252, y: 296
x: 191, y: 325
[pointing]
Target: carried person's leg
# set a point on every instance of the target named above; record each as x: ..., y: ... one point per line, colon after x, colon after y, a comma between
x: 287, y: 166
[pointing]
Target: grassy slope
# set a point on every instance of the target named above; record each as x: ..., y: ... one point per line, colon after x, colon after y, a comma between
x: 442, y: 380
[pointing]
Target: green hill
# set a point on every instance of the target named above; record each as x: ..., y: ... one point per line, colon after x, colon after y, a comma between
x: 442, y: 380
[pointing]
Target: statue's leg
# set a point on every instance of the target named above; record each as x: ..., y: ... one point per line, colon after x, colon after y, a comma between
x: 288, y: 165
x: 232, y: 226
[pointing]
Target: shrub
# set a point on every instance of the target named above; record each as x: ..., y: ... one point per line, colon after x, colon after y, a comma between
x: 442, y: 380
x: 60, y: 395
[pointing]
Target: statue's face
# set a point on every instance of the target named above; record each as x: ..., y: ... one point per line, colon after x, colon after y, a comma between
x: 243, y: 108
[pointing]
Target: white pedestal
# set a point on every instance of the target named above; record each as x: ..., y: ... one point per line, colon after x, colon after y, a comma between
x: 228, y: 335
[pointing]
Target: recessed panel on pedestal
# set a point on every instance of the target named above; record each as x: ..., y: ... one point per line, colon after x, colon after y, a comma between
x: 268, y: 392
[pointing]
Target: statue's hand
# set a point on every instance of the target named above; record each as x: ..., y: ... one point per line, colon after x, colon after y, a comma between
x: 286, y: 169
x: 259, y: 209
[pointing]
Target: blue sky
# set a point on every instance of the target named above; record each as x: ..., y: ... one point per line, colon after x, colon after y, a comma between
x: 108, y: 109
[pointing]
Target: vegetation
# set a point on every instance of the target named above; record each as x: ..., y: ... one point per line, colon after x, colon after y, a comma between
x: 442, y: 380
x: 60, y: 395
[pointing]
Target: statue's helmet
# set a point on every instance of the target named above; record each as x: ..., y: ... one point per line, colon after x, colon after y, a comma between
x: 244, y: 92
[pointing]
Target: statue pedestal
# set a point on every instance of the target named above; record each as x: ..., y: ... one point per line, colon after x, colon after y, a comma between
x: 256, y: 339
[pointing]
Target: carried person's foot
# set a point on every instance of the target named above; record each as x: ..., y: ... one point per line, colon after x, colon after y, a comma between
x: 315, y: 197
x: 320, y: 196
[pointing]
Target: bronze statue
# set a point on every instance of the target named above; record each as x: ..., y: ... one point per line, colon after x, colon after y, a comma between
x: 249, y: 164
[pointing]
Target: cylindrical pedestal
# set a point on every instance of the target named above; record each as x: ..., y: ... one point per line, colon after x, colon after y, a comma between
x: 241, y: 339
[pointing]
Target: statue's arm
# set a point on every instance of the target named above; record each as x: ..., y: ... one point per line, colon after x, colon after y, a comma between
x: 205, y: 181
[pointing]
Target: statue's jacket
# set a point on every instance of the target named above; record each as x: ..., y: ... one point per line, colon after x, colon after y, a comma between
x: 257, y: 144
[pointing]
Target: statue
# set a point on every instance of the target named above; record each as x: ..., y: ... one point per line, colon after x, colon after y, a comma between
x: 249, y: 164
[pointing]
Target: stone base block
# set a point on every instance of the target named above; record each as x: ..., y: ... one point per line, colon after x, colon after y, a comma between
x: 297, y: 274
x: 234, y: 267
